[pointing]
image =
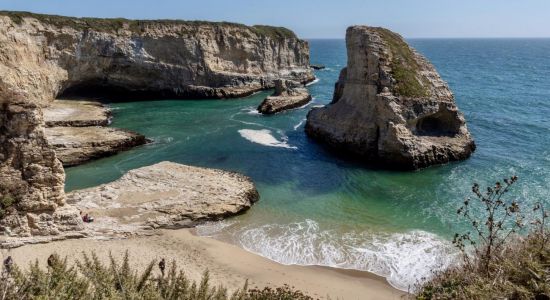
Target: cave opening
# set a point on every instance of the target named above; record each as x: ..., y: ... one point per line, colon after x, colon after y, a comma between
x: 442, y: 123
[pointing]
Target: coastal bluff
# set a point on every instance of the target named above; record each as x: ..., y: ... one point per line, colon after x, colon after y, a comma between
x: 43, y: 57
x: 390, y: 107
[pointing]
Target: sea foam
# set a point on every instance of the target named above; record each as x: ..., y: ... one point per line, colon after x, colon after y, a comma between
x: 264, y: 137
x: 404, y: 259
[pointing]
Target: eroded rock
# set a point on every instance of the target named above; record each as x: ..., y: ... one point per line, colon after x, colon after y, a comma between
x: 76, y: 113
x: 288, y: 95
x: 165, y: 195
x: 76, y: 145
x: 390, y: 106
x: 42, y: 57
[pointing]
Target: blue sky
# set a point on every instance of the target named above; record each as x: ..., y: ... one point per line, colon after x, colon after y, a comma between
x: 328, y: 19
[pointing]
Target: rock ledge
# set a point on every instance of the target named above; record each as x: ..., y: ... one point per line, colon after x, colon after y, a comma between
x: 288, y: 95
x: 165, y: 195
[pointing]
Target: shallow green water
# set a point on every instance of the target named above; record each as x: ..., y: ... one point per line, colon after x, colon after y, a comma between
x: 316, y: 208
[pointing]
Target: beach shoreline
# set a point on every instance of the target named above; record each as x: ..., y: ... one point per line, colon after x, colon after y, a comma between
x: 228, y: 265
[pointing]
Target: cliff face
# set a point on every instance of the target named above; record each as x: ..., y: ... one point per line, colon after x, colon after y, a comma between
x: 163, y: 58
x: 42, y: 57
x: 390, y: 106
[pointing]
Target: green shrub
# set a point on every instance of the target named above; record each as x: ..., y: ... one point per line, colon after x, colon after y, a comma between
x: 497, y: 262
x: 6, y: 201
x: 89, y: 278
x: 404, y: 66
x: 139, y: 26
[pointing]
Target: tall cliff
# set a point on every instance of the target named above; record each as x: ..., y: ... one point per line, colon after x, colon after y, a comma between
x: 44, y: 56
x: 390, y: 106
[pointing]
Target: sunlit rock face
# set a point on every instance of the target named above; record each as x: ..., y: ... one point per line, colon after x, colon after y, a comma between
x: 42, y: 57
x: 390, y: 107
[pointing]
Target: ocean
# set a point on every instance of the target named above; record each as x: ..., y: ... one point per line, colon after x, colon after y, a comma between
x: 319, y: 209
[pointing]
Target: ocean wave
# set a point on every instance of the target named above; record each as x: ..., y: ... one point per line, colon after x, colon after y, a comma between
x: 299, y: 124
x: 316, y: 80
x: 264, y: 137
x: 404, y: 259
x: 251, y: 111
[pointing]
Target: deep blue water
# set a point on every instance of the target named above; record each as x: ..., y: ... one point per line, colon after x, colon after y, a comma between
x: 320, y: 209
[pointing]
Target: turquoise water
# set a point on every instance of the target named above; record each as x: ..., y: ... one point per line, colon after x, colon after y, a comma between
x: 319, y: 209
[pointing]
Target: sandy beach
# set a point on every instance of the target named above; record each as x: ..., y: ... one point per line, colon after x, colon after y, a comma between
x: 228, y: 264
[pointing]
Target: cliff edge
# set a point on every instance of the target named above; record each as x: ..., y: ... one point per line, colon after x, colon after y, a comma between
x: 44, y: 56
x: 390, y: 107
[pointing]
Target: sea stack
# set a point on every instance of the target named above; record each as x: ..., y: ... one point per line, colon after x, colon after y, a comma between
x: 288, y: 95
x: 390, y: 107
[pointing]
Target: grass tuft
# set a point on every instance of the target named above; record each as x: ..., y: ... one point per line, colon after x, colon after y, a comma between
x: 404, y: 66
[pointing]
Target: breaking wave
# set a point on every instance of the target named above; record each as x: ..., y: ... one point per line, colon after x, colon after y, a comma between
x: 264, y: 137
x: 316, y: 80
x: 404, y: 259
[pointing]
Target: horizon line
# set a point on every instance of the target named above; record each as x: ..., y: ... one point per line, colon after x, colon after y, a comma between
x: 443, y: 37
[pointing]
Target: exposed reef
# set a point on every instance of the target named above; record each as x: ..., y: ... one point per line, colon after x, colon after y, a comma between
x: 76, y: 145
x: 165, y: 195
x: 390, y: 107
x: 288, y: 95
x: 43, y: 57
x: 76, y: 131
x: 76, y: 113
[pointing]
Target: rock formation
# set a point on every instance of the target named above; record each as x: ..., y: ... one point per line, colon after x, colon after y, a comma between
x: 76, y: 113
x: 317, y: 67
x: 76, y: 145
x: 42, y: 57
x: 165, y: 195
x: 75, y: 130
x: 288, y: 94
x: 390, y: 106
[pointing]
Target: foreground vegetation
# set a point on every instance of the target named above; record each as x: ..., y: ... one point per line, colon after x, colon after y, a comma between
x: 89, y: 278
x: 497, y: 262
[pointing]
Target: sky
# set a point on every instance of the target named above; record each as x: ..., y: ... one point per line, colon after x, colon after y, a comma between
x: 327, y: 19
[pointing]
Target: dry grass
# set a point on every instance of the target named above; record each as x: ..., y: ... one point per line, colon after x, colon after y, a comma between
x: 498, y: 262
x: 88, y: 278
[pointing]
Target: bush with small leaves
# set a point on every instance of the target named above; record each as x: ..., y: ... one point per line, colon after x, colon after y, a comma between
x: 498, y: 262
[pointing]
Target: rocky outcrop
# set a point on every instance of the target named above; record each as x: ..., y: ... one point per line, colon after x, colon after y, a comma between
x: 390, y: 106
x: 75, y: 130
x: 165, y: 195
x: 42, y: 57
x: 76, y: 145
x: 76, y: 113
x: 288, y: 95
x: 317, y: 67
x: 160, y: 59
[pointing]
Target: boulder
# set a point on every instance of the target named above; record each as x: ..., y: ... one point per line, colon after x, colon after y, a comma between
x: 390, y: 107
x: 288, y: 95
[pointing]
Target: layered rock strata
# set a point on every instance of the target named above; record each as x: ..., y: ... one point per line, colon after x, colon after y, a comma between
x: 43, y: 57
x: 390, y: 107
x: 76, y: 145
x: 165, y: 195
x: 77, y: 134
x: 76, y: 113
x: 288, y: 95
